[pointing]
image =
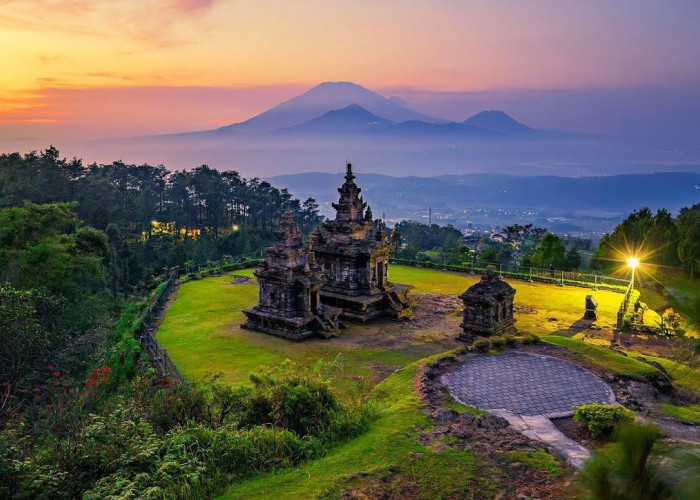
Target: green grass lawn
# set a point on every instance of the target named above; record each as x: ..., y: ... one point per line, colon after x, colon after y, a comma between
x: 538, y: 460
x: 604, y: 357
x: 391, y: 440
x: 682, y: 375
x: 202, y: 331
x: 541, y: 308
x: 684, y: 413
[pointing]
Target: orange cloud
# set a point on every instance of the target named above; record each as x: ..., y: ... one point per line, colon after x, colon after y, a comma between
x: 130, y: 111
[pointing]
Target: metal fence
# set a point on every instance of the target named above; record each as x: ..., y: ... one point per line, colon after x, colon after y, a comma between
x: 146, y: 330
x: 559, y: 277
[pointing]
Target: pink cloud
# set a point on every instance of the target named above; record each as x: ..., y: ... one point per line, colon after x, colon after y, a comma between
x: 121, y: 19
x: 195, y: 5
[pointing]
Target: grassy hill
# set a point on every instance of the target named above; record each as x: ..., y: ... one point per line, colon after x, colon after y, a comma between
x: 202, y: 332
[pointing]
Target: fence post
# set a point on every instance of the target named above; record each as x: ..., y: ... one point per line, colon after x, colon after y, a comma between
x: 562, y: 278
x: 500, y: 269
x: 530, y: 274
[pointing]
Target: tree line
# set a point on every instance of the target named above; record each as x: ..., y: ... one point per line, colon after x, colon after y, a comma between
x: 155, y: 218
x: 523, y: 245
x: 656, y: 238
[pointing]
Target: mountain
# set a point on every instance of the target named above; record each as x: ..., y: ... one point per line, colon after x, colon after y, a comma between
x: 350, y: 119
x: 326, y: 97
x: 356, y: 120
x: 497, y: 121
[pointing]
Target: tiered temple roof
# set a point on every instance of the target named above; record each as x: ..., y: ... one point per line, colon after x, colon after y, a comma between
x: 354, y: 252
x: 290, y: 281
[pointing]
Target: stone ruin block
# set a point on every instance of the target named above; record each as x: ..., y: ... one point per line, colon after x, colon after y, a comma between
x: 290, y: 281
x: 591, y: 308
x: 488, y: 308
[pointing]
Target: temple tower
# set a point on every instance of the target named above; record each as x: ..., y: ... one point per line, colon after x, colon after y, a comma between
x: 289, y: 283
x: 354, y: 252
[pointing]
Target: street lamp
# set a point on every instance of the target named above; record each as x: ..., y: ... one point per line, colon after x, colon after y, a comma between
x: 633, y: 262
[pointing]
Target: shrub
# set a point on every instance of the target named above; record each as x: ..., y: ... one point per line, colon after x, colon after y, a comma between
x: 170, y: 441
x: 528, y: 339
x: 601, y: 419
x: 631, y: 468
x: 510, y: 340
x: 173, y: 406
x: 482, y: 345
x: 497, y: 342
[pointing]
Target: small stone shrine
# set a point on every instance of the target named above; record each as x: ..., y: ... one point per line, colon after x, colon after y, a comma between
x: 290, y: 280
x: 591, y: 308
x: 488, y: 308
x: 354, y: 252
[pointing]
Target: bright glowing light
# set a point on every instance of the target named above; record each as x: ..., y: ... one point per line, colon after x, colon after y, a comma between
x: 632, y: 262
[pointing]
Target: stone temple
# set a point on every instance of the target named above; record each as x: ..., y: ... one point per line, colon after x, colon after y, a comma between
x: 289, y: 284
x: 488, y: 308
x: 354, y: 252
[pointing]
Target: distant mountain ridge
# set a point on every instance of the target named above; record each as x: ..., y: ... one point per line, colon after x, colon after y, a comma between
x: 348, y: 108
x: 497, y: 121
x: 325, y: 97
x: 354, y: 119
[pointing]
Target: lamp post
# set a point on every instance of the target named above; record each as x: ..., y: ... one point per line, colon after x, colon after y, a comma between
x: 633, y: 262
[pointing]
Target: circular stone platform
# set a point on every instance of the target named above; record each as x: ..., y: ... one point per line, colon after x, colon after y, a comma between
x: 526, y: 384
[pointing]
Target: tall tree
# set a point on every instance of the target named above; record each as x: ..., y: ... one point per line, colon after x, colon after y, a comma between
x: 550, y: 252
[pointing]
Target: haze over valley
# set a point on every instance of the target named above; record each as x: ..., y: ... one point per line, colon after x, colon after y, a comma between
x: 334, y: 121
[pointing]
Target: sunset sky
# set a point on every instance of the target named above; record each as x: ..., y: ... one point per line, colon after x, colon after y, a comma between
x: 79, y: 68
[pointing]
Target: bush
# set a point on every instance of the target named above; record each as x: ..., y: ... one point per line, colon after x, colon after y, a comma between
x: 170, y: 441
x: 482, y: 345
x: 530, y: 339
x: 601, y: 419
x: 497, y: 342
x: 510, y: 340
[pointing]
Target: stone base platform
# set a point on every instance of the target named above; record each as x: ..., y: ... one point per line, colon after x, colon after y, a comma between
x: 473, y: 332
x: 394, y: 304
x: 293, y: 328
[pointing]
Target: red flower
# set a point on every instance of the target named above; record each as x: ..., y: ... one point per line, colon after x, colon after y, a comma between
x: 56, y: 383
x: 36, y: 389
x: 23, y: 391
x: 72, y: 391
x: 56, y: 374
x: 49, y: 367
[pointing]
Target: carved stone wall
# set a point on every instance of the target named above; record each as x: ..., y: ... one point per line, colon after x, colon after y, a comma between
x: 488, y: 308
x: 290, y: 281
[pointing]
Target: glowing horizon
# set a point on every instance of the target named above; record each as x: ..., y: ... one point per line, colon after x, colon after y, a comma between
x: 61, y: 52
